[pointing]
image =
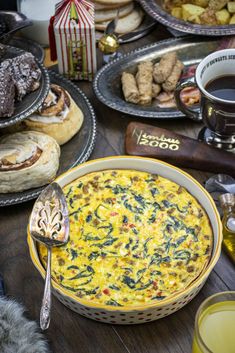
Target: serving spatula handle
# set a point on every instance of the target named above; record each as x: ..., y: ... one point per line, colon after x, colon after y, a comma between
x: 150, y: 141
x: 45, y: 313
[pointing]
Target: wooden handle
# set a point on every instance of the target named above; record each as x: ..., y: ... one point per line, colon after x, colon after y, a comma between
x: 150, y: 141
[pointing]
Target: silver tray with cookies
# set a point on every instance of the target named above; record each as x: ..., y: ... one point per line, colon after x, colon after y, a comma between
x: 55, y: 138
x: 142, y: 82
x: 24, y: 84
x: 200, y: 17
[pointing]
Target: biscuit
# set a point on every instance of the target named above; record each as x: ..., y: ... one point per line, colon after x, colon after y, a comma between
x: 108, y: 15
x: 126, y: 24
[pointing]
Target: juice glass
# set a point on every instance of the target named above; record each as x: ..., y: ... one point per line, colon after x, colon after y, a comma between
x: 215, y: 325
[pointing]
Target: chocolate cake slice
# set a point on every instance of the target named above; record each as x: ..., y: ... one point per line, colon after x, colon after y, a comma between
x: 7, y: 93
x: 26, y: 74
x: 18, y: 77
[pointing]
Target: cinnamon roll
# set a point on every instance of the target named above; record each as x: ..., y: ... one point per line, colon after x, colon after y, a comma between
x: 58, y: 117
x: 28, y: 159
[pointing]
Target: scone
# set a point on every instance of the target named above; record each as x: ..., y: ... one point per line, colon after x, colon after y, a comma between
x: 113, y: 2
x: 59, y: 117
x: 125, y: 24
x: 110, y: 14
x: 28, y: 159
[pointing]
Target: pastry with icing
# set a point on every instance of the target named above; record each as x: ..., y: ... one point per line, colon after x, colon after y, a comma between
x: 28, y: 159
x: 58, y: 117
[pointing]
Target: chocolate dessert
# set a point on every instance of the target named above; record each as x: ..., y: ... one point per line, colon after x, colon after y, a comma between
x: 19, y: 76
x: 7, y: 93
x: 26, y: 74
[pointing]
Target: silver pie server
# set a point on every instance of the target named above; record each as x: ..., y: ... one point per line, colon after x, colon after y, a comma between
x: 49, y: 225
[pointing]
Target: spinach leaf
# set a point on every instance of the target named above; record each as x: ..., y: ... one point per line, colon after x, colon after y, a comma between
x: 93, y: 255
x: 158, y: 297
x: 129, y: 282
x: 124, y: 219
x: 144, y: 286
x: 152, y: 219
x: 78, y: 210
x: 74, y: 254
x: 155, y: 259
x: 98, y: 211
x: 180, y: 240
x: 106, y: 243
x: 182, y: 255
x: 88, y: 218
x: 133, y: 209
x: 154, y: 191
x: 113, y: 303
x: 114, y: 287
x: 85, y: 273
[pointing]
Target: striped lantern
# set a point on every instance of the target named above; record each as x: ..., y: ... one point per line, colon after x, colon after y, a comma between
x: 72, y: 39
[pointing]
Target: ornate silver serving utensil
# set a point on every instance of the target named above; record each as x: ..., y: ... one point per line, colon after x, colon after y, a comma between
x: 49, y: 224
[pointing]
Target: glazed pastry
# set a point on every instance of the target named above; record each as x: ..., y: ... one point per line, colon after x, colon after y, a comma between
x: 58, y: 117
x: 28, y: 160
x: 129, y: 87
x: 144, y: 78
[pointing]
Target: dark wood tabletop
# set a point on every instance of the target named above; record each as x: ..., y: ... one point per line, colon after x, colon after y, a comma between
x: 69, y: 332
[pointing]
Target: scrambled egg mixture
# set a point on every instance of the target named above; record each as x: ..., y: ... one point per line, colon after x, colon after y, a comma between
x: 135, y: 238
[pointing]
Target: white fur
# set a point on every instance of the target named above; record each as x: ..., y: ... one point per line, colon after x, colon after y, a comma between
x: 17, y: 334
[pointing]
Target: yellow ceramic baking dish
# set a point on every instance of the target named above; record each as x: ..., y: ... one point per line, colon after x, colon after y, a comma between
x: 149, y: 311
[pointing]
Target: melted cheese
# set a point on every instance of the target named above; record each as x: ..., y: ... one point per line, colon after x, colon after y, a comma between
x: 134, y: 238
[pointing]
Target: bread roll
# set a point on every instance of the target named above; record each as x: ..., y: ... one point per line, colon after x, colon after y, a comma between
x: 28, y: 160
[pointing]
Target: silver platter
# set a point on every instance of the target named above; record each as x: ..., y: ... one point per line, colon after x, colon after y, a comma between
x: 155, y: 10
x: 75, y: 151
x: 32, y: 101
x: 28, y: 45
x: 107, y: 83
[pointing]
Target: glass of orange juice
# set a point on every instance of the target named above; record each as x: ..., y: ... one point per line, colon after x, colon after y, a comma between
x: 215, y: 325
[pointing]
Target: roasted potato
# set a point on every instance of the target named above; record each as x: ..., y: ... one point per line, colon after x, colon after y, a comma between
x: 217, y: 4
x: 192, y: 13
x: 177, y: 12
x: 202, y: 3
x: 232, y: 20
x: 222, y: 17
x: 231, y: 6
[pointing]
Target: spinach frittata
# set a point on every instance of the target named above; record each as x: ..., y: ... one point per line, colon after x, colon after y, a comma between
x: 135, y: 238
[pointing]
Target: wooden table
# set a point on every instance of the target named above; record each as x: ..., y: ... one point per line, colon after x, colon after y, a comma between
x: 70, y: 332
